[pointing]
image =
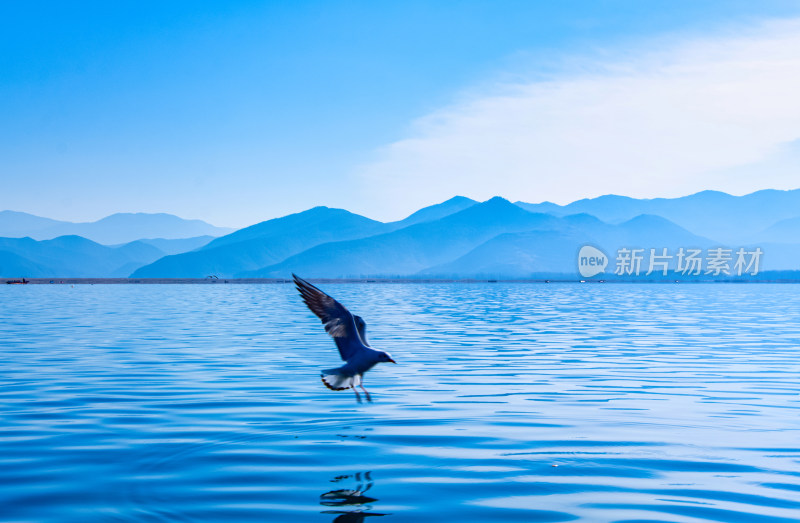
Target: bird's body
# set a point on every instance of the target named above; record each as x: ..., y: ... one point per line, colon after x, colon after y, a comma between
x: 349, y: 334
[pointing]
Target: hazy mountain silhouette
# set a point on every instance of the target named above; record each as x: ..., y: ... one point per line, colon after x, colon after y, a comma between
x: 318, y: 224
x: 115, y: 229
x: 176, y: 246
x: 412, y: 249
x: 515, y: 255
x: 272, y: 241
x: 71, y: 256
x: 435, y: 212
x: 537, y: 253
x: 458, y: 238
x: 12, y: 265
x: 784, y: 231
x: 712, y: 214
x: 263, y: 244
x: 15, y: 224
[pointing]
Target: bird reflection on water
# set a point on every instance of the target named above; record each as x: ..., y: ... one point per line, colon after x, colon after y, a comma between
x: 355, y: 498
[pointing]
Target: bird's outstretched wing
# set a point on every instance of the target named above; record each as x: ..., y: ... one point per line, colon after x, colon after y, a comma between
x: 361, y: 325
x: 338, y: 321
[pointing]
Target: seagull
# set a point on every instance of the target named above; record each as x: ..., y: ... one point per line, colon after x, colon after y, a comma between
x: 349, y: 332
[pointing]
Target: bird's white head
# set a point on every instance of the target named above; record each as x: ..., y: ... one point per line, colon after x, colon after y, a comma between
x: 385, y: 356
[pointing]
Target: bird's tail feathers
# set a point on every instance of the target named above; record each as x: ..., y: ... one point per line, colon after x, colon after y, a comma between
x: 335, y: 380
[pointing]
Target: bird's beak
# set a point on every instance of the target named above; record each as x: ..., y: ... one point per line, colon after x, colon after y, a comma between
x: 390, y: 359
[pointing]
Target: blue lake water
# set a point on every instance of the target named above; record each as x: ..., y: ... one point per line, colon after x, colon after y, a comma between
x: 510, y: 402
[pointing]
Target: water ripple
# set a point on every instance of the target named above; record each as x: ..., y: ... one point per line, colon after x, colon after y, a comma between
x: 626, y: 403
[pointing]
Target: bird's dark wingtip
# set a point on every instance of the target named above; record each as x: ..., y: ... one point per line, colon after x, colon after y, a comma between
x: 304, y: 286
x: 300, y: 281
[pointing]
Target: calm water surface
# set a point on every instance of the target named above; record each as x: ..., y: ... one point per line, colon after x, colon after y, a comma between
x: 510, y: 403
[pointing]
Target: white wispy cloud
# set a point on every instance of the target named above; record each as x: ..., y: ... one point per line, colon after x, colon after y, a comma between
x: 704, y: 113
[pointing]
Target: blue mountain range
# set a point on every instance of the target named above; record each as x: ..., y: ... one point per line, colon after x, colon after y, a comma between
x: 112, y: 230
x: 459, y: 238
x: 71, y: 256
x: 713, y: 214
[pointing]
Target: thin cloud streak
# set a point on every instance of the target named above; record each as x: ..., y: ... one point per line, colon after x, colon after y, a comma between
x: 712, y: 113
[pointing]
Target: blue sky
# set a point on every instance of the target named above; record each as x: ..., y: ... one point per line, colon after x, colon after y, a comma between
x: 237, y: 112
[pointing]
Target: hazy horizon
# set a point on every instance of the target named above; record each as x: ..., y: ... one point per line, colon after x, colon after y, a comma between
x: 266, y: 218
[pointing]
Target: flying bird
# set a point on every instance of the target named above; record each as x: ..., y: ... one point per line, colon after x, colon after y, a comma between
x: 349, y: 332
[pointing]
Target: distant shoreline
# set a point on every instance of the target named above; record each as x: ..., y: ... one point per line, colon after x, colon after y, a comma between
x: 223, y: 281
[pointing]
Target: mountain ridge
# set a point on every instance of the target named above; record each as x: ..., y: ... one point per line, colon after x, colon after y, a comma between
x: 458, y: 237
x: 113, y: 229
x: 71, y: 256
x: 713, y: 214
x: 407, y: 250
x: 272, y: 241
